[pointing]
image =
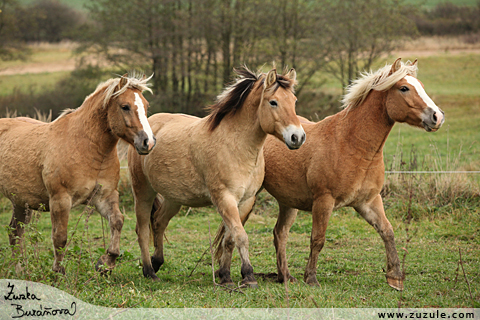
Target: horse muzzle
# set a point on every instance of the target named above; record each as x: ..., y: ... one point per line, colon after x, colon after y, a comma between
x: 143, y: 144
x: 433, y: 120
x: 294, y: 137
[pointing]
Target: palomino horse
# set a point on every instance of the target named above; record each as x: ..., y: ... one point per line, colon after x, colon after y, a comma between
x: 73, y: 160
x: 341, y: 164
x: 214, y: 160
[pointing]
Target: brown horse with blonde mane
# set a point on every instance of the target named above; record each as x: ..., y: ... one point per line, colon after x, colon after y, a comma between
x: 214, y: 160
x: 73, y: 160
x: 341, y: 164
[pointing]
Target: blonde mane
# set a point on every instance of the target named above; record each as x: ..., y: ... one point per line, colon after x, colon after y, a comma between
x: 380, y: 80
x: 133, y: 81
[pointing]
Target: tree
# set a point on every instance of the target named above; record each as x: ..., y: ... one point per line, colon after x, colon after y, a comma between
x: 11, y: 46
x: 361, y: 31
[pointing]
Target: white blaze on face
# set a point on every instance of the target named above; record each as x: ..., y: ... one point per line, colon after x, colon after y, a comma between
x: 421, y: 92
x: 143, y: 119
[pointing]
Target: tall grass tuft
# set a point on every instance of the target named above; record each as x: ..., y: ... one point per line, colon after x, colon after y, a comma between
x: 433, y: 192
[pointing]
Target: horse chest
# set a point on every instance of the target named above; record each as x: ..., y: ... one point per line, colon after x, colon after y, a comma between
x: 358, y: 189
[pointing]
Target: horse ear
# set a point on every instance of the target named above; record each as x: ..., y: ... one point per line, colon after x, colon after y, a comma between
x: 292, y: 75
x: 123, y: 81
x: 396, y: 65
x: 414, y: 63
x: 271, y: 78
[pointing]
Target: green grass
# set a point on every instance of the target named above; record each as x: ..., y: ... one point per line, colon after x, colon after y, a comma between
x: 350, y: 269
x: 30, y: 82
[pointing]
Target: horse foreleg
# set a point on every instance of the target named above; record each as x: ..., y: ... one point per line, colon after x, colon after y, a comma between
x: 374, y: 214
x: 286, y: 218
x: 160, y: 220
x: 321, y: 211
x: 228, y: 243
x: 227, y: 207
x: 60, y: 205
x: 108, y: 208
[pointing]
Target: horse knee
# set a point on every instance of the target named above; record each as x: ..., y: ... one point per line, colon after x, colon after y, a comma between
x: 241, y: 239
x: 59, y: 239
x: 116, y: 222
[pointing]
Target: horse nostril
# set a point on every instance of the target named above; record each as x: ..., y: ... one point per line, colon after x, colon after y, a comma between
x: 303, y: 138
x: 294, y: 139
x: 145, y: 143
x: 434, y: 117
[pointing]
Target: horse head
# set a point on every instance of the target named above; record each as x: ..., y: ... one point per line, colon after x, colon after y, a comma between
x: 276, y: 110
x: 127, y: 113
x: 408, y: 102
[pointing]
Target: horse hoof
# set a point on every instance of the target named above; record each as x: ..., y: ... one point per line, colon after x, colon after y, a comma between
x: 395, y: 284
x: 228, y: 284
x: 59, y: 269
x: 312, y: 281
x: 250, y: 284
x: 290, y: 278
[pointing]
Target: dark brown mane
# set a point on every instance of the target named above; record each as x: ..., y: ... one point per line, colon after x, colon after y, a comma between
x: 232, y: 98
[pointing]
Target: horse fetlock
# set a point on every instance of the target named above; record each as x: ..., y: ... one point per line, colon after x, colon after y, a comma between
x: 224, y: 275
x: 105, y: 264
x: 286, y: 276
x: 246, y: 270
x: 157, y: 263
x: 148, y: 272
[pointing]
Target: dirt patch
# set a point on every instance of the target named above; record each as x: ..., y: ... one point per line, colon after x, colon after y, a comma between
x: 67, y: 65
x: 421, y: 47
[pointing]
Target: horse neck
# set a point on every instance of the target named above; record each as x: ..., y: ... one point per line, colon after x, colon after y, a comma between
x: 244, y: 129
x: 368, y: 126
x: 91, y: 121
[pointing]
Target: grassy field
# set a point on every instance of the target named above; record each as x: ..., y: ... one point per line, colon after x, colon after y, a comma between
x: 350, y: 269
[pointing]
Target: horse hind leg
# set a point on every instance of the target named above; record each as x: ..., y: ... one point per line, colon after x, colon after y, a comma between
x: 322, y: 210
x: 286, y: 218
x: 160, y: 218
x: 374, y: 214
x: 20, y: 217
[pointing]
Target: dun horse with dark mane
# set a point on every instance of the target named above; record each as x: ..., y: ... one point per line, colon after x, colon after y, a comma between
x: 215, y: 160
x: 73, y: 160
x: 341, y: 164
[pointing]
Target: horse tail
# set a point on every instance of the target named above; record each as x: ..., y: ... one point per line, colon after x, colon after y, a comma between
x: 217, y: 243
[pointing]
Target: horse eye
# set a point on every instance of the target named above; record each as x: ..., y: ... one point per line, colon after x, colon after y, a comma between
x: 273, y: 103
x: 126, y: 107
x: 404, y: 89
